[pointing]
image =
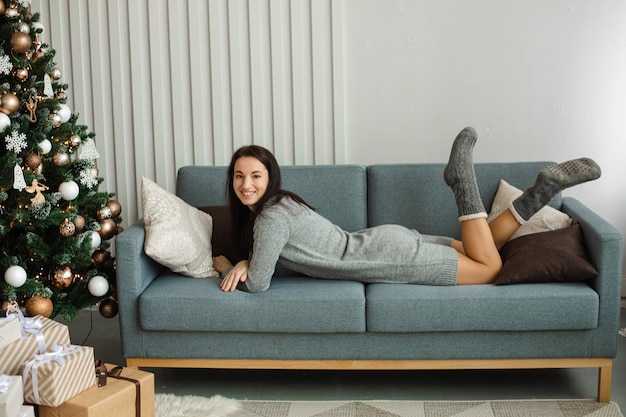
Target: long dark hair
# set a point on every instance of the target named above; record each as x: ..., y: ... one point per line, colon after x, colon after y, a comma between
x: 242, y: 216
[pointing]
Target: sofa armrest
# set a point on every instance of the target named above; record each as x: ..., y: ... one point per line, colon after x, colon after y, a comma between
x: 605, y: 249
x: 135, y: 272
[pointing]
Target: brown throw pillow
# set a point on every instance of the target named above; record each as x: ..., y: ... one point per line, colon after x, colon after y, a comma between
x: 554, y: 256
x: 223, y: 240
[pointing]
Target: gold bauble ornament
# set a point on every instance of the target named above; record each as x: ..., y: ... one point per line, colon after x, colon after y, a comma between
x: 21, y: 42
x: 79, y: 222
x: 116, y: 208
x: 21, y: 74
x: 67, y: 228
x: 63, y: 277
x: 39, y: 306
x: 100, y: 257
x: 108, y: 229
x: 2, y: 8
x: 75, y: 141
x: 55, y: 119
x: 9, y: 103
x: 61, y: 159
x: 32, y: 161
x: 108, y: 308
x: 56, y: 74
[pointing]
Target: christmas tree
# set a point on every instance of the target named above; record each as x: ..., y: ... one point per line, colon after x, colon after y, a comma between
x: 55, y: 226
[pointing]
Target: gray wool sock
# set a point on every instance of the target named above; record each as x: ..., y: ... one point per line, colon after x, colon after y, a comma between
x: 459, y: 175
x: 551, y: 180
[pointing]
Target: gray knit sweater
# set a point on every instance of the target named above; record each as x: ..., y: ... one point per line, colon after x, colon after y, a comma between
x: 292, y: 235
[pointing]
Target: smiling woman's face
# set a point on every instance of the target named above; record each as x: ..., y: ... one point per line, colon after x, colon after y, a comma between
x: 250, y: 180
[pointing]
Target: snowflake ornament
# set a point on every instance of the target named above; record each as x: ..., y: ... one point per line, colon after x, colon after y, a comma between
x: 88, y: 178
x: 5, y: 65
x: 15, y: 142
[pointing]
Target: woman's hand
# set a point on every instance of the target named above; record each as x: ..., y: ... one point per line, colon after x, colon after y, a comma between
x: 239, y: 273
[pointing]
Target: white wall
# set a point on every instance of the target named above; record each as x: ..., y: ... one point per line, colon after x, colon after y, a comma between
x: 538, y: 79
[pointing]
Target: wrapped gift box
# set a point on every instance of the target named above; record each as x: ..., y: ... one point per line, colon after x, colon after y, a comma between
x: 11, y: 397
x: 39, y: 334
x: 130, y: 394
x: 54, y: 377
x: 10, y: 331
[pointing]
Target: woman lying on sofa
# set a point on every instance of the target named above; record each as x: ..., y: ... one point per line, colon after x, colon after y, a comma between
x: 277, y: 225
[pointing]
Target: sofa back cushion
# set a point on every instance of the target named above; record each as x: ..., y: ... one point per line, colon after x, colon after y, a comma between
x: 355, y: 197
x: 202, y: 186
x: 416, y: 196
x: 338, y: 192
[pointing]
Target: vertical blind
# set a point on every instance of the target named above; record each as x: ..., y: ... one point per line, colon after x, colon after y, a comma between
x: 168, y: 83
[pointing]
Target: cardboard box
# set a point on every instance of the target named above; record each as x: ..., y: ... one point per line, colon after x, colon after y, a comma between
x: 11, y: 397
x: 53, y: 378
x: 10, y: 331
x: 41, y: 333
x: 117, y: 398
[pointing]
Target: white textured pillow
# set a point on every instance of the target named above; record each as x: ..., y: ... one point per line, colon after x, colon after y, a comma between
x: 178, y: 235
x: 546, y: 219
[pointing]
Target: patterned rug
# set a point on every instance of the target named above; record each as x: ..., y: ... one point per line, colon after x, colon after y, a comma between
x: 429, y: 409
x: 168, y: 405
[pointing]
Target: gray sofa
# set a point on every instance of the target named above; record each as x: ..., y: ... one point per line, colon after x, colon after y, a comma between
x: 167, y: 320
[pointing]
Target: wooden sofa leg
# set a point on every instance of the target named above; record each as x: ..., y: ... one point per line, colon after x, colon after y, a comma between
x: 605, y: 374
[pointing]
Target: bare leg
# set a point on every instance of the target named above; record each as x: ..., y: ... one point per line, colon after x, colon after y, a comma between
x: 502, y: 228
x: 480, y: 261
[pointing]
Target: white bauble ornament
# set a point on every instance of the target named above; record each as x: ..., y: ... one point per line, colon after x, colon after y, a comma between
x: 98, y: 286
x: 15, y: 276
x: 69, y: 190
x: 95, y: 240
x: 64, y: 113
x: 5, y: 122
x: 45, y: 146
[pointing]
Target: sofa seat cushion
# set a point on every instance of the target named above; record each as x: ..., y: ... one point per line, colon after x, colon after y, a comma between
x: 522, y: 307
x: 293, y: 304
